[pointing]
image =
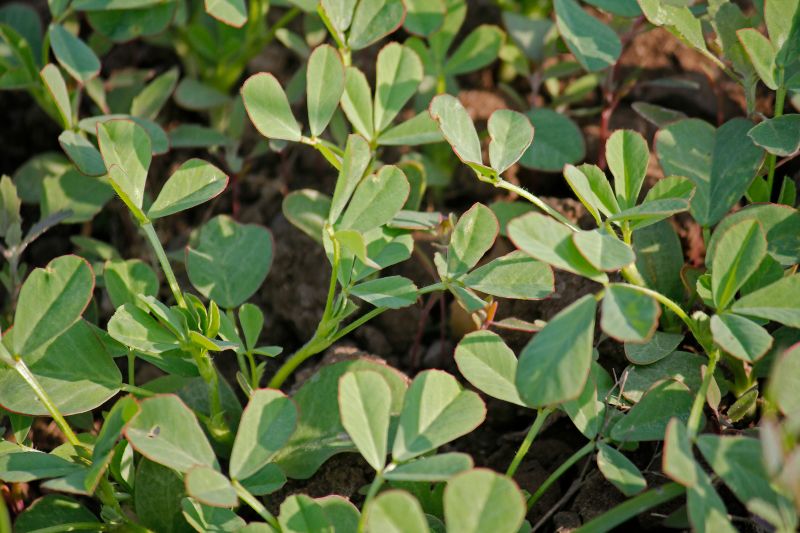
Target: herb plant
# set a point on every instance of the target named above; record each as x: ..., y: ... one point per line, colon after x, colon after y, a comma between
x: 173, y: 411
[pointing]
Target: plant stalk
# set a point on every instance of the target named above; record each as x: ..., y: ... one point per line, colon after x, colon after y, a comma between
x: 631, y: 508
x: 535, y: 200
x: 255, y: 504
x: 780, y: 97
x: 696, y: 414
x: 150, y: 232
x: 373, y: 490
x: 552, y: 478
x: 541, y: 416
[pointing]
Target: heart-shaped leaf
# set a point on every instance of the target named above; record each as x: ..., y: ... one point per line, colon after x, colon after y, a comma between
x: 73, y: 54
x: 472, y: 237
x: 619, y: 470
x: 301, y: 514
x: 356, y: 159
x: 628, y: 314
x: 554, y: 366
x: 373, y: 21
x: 482, y: 500
x: 210, y: 487
x: 431, y: 469
x: 457, y: 128
x: 778, y: 301
x: 231, y: 12
x: 365, y: 403
x: 376, y: 200
x: 511, y: 135
x: 230, y: 260
x: 267, y: 424
x: 489, y: 365
x: 396, y: 510
x: 394, y: 292
x: 595, y: 45
x: 603, y: 251
x: 514, y: 275
x: 779, y: 135
x: 741, y: 250
x: 127, y: 146
x: 436, y: 411
x: 50, y: 301
x: 740, y: 336
x: 627, y: 155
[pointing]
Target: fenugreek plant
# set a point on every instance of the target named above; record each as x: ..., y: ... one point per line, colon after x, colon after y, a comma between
x: 708, y: 389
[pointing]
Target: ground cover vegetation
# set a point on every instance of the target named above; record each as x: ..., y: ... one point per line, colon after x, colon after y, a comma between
x: 400, y: 265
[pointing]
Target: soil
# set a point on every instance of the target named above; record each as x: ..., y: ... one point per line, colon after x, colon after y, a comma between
x: 293, y: 295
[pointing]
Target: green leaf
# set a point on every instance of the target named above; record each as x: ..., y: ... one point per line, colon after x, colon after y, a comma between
x: 166, y: 431
x: 159, y: 506
x: 628, y: 314
x: 198, y: 96
x: 73, y: 54
x: 594, y: 44
x: 374, y: 20
x: 266, y: 481
x: 395, y: 511
x: 159, y: 142
x: 667, y: 197
x: 457, y: 128
x: 603, y: 251
x: 126, y: 145
x: 124, y: 280
x: 53, y: 510
x: 376, y: 200
x: 320, y: 434
x: 267, y: 424
x: 741, y: 250
x: 394, y: 292
x: 340, y: 12
x: 135, y: 328
x: 559, y: 141
x: 514, y: 275
x: 307, y: 209
x: 532, y: 35
x: 195, y: 136
x: 658, y: 347
x: 74, y: 367
x: 554, y: 365
x: 398, y: 74
x: 355, y: 162
x: 195, y: 182
x: 324, y: 87
x: 343, y: 515
x: 152, y: 98
x: 511, y: 134
x: 550, y: 241
x: 104, y: 447
x: 779, y: 135
x: 780, y: 224
x: 681, y: 366
x: 761, y: 53
x: 472, y: 237
x: 357, y: 101
x: 420, y: 129
x: 230, y: 12
x: 721, y: 163
x: 706, y: 509
x: 209, y: 487
x: 82, y: 153
x: 619, y: 470
x: 592, y: 188
x: 22, y: 467
x: 204, y: 518
x: 431, y: 469
x: 268, y: 108
x: 678, y: 462
x: 57, y: 88
x: 659, y: 258
x: 739, y: 462
x: 424, y: 17
x: 627, y: 155
x: 436, y: 411
x: 588, y: 410
x: 784, y: 380
x: 740, y: 337
x: 477, y: 50
x: 229, y: 261
x: 482, y: 500
x: 301, y: 514
x: 51, y: 300
x: 647, y: 420
x: 489, y: 365
x: 365, y: 403
x: 778, y: 301
x: 84, y: 196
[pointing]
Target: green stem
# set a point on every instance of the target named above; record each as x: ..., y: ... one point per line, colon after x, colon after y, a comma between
x: 566, y: 465
x: 373, y: 490
x: 137, y: 391
x: 780, y: 97
x: 696, y: 414
x: 631, y: 508
x: 150, y: 232
x: 131, y: 367
x: 255, y: 504
x: 23, y: 370
x: 541, y: 416
x: 76, y: 526
x: 669, y: 304
x: 535, y: 200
